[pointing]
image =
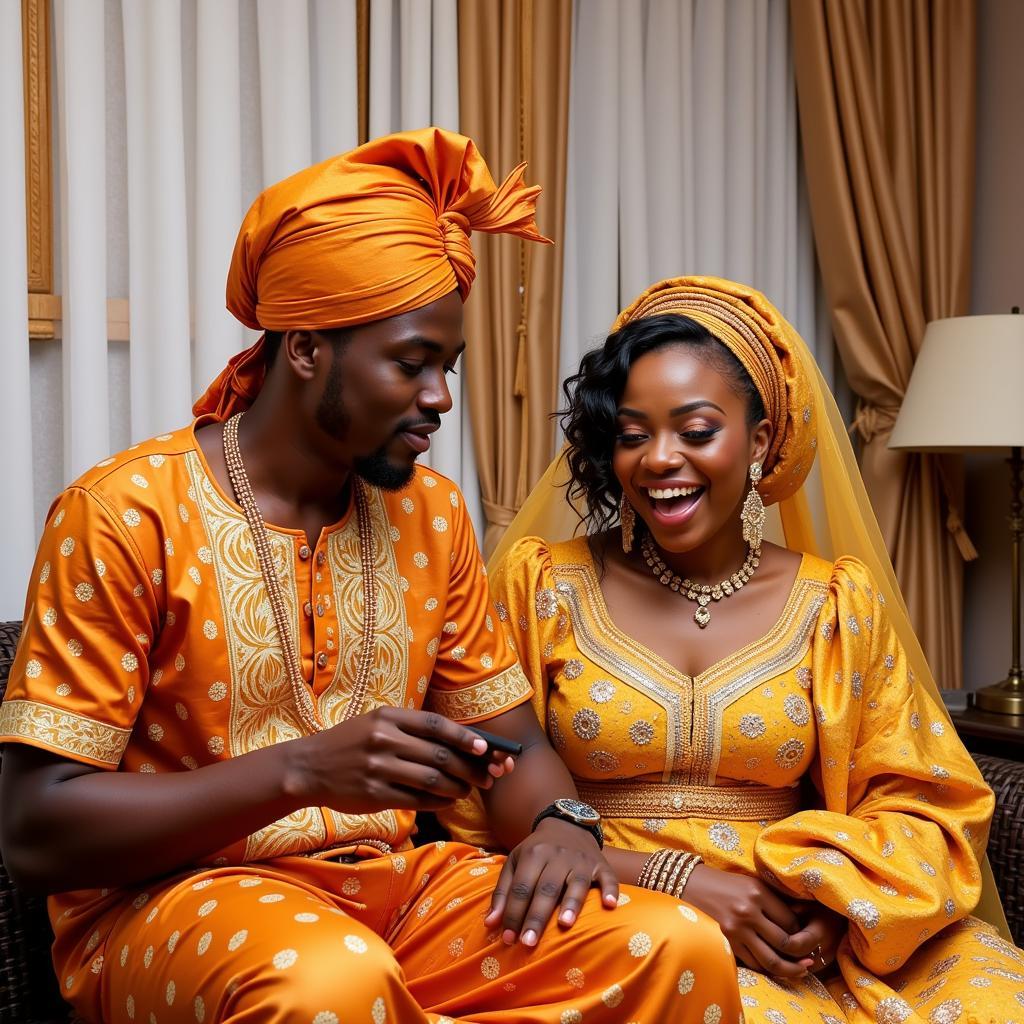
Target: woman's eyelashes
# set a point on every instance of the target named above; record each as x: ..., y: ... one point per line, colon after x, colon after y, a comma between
x: 695, y: 434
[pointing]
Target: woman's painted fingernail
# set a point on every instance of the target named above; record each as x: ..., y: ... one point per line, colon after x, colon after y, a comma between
x: 530, y: 938
x: 567, y: 917
x: 508, y: 936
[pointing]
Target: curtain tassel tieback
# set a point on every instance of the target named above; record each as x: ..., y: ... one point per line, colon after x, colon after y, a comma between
x: 954, y: 521
x: 874, y: 421
x: 871, y: 420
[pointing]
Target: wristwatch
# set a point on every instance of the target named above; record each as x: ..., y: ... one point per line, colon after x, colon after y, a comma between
x: 576, y: 812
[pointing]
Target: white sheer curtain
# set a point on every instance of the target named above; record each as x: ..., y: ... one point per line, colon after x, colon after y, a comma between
x: 17, y: 517
x: 683, y: 158
x: 421, y: 87
x: 169, y: 118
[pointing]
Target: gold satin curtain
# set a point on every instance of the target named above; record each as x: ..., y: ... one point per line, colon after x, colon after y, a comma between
x: 886, y: 95
x: 514, y: 102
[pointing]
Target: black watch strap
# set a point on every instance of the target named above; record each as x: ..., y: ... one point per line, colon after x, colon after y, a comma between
x: 554, y: 811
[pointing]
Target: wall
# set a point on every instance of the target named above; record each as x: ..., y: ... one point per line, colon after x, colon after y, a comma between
x: 997, y: 285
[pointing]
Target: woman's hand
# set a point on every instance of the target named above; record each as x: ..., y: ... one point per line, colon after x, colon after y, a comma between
x: 821, y: 931
x: 753, y: 917
x: 554, y: 866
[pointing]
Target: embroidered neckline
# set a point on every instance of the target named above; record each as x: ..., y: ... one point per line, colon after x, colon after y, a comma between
x: 802, y: 584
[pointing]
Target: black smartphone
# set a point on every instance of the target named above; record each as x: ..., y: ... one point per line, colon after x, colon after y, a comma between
x: 498, y: 743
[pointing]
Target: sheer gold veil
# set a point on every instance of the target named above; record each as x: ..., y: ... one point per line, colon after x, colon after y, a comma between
x: 829, y: 515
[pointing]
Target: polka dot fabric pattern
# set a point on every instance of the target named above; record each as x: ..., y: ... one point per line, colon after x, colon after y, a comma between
x: 392, y: 939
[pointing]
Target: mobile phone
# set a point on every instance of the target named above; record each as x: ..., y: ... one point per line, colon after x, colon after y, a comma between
x: 498, y: 743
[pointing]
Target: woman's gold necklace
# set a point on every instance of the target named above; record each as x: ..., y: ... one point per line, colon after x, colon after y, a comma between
x: 261, y: 541
x: 702, y: 593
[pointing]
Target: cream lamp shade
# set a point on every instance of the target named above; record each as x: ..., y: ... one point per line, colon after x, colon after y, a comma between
x: 967, y: 387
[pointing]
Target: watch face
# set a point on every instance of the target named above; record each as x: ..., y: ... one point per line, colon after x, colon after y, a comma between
x: 583, y: 813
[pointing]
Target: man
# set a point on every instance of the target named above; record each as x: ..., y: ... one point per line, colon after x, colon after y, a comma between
x: 220, y: 730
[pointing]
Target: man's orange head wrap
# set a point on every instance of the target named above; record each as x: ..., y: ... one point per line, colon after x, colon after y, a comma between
x: 370, y: 234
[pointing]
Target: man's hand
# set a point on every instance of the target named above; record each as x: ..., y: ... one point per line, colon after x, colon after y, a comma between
x: 392, y: 759
x: 554, y: 866
x: 757, y: 922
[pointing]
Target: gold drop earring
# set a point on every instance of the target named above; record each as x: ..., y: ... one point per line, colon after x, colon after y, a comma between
x: 627, y: 521
x: 753, y: 514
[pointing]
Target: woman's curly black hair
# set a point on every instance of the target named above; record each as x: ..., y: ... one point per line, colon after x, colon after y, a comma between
x: 592, y: 399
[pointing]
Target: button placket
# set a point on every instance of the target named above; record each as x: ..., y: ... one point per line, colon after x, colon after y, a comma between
x: 323, y: 645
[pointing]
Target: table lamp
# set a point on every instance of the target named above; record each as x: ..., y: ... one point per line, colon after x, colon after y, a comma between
x: 965, y: 395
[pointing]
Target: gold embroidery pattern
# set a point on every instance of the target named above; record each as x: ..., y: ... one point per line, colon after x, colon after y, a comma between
x: 487, y: 697
x: 64, y: 730
x: 381, y: 825
x: 634, y: 798
x: 299, y: 832
x: 780, y: 650
x: 390, y: 674
x: 261, y: 711
x: 597, y: 637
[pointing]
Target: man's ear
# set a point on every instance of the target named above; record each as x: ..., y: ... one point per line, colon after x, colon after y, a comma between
x: 302, y: 350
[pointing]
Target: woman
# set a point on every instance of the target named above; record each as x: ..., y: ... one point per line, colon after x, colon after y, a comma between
x: 756, y: 724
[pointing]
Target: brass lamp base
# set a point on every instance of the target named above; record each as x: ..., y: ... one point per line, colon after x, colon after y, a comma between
x: 1005, y: 698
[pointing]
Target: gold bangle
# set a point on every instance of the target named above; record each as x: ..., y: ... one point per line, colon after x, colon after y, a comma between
x: 666, y: 870
x: 680, y: 862
x: 685, y: 877
x: 650, y: 866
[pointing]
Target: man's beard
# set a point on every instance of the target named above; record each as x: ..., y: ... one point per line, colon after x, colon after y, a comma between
x: 376, y: 468
x: 380, y: 471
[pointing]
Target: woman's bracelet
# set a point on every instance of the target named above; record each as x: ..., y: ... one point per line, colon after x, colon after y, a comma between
x: 695, y: 859
x: 651, y: 867
x: 668, y: 871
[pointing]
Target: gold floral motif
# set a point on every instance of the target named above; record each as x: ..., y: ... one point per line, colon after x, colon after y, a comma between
x: 857, y: 684
x: 724, y: 836
x: 586, y: 723
x: 811, y: 878
x: 864, y: 912
x: 573, y: 669
x: 947, y: 1012
x: 482, y: 699
x: 602, y: 761
x: 546, y: 603
x: 63, y: 730
x: 602, y: 691
x: 752, y: 726
x: 789, y: 753
x: 796, y: 709
x: 892, y: 1010
x: 641, y: 733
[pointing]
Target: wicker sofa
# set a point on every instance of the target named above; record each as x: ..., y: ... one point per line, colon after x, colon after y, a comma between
x: 29, y: 993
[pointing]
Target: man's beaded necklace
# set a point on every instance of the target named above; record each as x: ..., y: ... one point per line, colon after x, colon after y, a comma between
x: 261, y: 541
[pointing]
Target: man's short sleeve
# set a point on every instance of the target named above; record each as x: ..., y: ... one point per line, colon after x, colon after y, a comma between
x: 81, y: 670
x: 477, y: 674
